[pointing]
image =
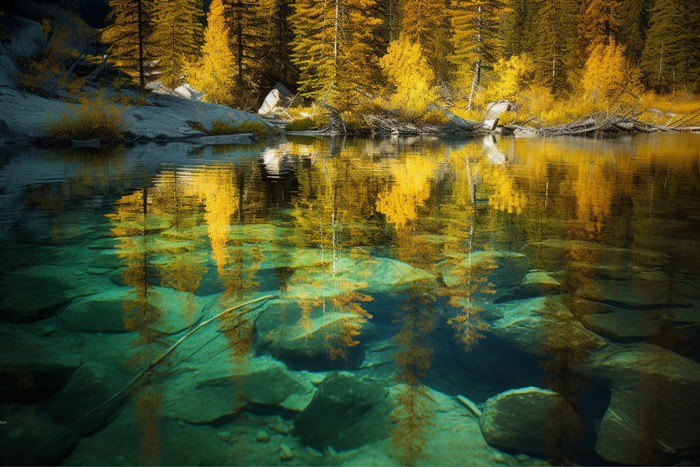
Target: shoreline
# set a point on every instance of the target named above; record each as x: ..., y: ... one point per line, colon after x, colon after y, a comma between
x: 24, y: 120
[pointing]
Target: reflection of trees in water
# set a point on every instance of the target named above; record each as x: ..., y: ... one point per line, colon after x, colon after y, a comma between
x: 330, y: 215
x: 141, y: 312
x: 417, y: 320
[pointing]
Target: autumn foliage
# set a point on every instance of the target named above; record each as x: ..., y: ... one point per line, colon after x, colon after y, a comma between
x: 94, y: 117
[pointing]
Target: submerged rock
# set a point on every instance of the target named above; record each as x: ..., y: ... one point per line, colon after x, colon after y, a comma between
x: 503, y: 268
x: 308, y: 340
x: 654, y: 408
x: 34, y: 366
x: 620, y: 324
x: 109, y: 310
x: 24, y: 428
x: 535, y: 284
x: 120, y: 443
x: 644, y: 289
x: 223, y: 387
x: 91, y: 385
x: 37, y: 292
x: 524, y: 420
x: 555, y: 254
x: 534, y: 324
x: 341, y: 416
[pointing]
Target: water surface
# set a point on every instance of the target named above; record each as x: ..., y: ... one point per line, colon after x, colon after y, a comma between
x: 399, y: 274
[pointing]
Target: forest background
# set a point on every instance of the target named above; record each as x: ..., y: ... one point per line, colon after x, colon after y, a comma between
x: 557, y: 59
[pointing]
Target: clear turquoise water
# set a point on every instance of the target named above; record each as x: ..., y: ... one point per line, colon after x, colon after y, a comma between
x: 391, y: 276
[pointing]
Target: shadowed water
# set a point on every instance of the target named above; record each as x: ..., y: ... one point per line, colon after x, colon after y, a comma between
x: 429, y: 302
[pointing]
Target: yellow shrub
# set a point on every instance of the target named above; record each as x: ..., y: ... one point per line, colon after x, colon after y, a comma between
x: 125, y: 99
x: 95, y: 117
x: 474, y: 115
x: 434, y: 117
x: 301, y: 124
x: 513, y: 76
x: 220, y: 127
x: 607, y: 71
x: 407, y: 71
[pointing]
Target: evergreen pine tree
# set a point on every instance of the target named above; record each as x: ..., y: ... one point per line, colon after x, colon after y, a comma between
x: 671, y: 54
x: 315, y: 45
x: 244, y: 19
x: 554, y: 47
x: 427, y: 22
x: 598, y: 23
x: 477, y: 38
x: 177, y: 36
x: 278, y: 36
x: 633, y: 26
x: 337, y: 46
x: 130, y: 36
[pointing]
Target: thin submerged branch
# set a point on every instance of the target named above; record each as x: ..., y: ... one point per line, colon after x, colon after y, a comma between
x: 156, y: 362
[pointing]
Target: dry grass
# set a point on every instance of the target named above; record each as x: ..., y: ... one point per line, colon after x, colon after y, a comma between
x: 95, y: 117
x: 669, y: 108
x: 301, y: 124
x: 221, y: 127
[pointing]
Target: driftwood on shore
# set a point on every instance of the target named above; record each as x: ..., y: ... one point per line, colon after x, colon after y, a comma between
x: 599, y: 123
x: 613, y: 123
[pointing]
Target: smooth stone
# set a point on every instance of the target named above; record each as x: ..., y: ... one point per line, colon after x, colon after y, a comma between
x: 91, y: 385
x: 224, y: 436
x: 109, y: 311
x: 527, y: 325
x: 50, y: 364
x: 553, y: 254
x: 341, y: 414
x: 523, y: 420
x: 503, y: 268
x: 262, y: 436
x: 644, y: 289
x: 286, y: 453
x: 35, y: 293
x: 279, y: 428
x: 654, y: 397
x: 123, y: 436
x: 297, y: 402
x: 25, y: 428
x: 307, y: 342
x: 206, y: 395
x: 621, y: 324
x: 535, y: 284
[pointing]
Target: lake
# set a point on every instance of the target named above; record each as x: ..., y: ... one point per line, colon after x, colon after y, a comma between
x: 350, y: 301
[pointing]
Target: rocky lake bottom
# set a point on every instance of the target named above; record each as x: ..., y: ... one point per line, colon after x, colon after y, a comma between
x: 490, y: 302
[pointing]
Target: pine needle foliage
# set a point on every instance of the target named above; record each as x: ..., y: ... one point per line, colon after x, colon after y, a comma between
x: 214, y: 75
x: 427, y: 22
x: 337, y: 47
x: 671, y: 55
x: 130, y: 36
x: 178, y: 35
x: 476, y: 36
x: 245, y: 19
x: 553, y: 52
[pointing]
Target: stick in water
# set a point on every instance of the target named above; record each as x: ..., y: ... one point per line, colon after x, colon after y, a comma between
x: 155, y: 363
